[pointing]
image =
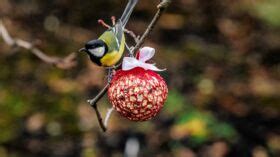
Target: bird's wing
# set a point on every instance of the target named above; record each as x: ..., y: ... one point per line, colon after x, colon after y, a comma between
x: 118, y: 31
x: 113, y: 37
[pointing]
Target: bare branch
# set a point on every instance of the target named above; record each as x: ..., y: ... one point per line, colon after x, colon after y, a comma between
x: 5, y: 35
x: 93, y: 103
x: 63, y: 63
x: 161, y: 8
x: 109, y: 112
x: 133, y: 35
x: 99, y: 118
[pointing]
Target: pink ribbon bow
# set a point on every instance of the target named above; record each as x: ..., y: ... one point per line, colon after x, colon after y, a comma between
x: 145, y: 54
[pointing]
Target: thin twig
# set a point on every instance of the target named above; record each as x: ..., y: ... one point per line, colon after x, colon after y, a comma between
x: 132, y: 34
x: 161, y: 8
x: 93, y: 102
x: 63, y: 63
x: 99, y: 118
x: 5, y: 35
x: 113, y: 19
x: 108, y: 115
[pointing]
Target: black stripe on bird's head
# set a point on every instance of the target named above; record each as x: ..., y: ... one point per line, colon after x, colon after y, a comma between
x: 96, y: 49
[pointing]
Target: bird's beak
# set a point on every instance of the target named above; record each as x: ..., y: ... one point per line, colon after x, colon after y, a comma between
x: 82, y: 50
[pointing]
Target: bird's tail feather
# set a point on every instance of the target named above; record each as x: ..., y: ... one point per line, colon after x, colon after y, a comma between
x: 127, y: 12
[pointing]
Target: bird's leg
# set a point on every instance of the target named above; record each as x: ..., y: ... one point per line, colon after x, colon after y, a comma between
x: 109, y: 76
x: 111, y: 73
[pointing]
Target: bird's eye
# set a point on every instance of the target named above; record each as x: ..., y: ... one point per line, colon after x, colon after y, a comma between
x: 98, y: 52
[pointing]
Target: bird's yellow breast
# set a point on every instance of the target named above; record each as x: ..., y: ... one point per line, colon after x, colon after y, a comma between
x: 113, y: 57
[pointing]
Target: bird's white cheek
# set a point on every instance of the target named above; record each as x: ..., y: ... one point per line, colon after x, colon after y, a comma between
x: 98, y: 52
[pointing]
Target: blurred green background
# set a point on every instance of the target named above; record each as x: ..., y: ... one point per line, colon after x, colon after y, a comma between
x: 223, y: 67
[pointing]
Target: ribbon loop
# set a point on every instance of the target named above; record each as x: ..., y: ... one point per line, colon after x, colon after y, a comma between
x: 145, y: 54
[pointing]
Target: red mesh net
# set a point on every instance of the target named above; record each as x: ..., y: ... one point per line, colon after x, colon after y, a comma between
x: 137, y: 94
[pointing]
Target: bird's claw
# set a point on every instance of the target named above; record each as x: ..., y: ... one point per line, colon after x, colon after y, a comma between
x: 111, y: 73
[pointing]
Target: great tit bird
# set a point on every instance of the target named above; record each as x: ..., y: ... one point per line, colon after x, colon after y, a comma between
x: 108, y: 49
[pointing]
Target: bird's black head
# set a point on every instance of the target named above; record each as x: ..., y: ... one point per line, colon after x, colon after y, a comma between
x: 96, y: 49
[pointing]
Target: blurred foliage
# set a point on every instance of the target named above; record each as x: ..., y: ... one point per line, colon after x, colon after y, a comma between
x: 269, y: 11
x: 222, y: 58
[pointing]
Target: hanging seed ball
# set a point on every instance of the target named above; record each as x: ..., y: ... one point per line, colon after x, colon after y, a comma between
x: 137, y: 94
